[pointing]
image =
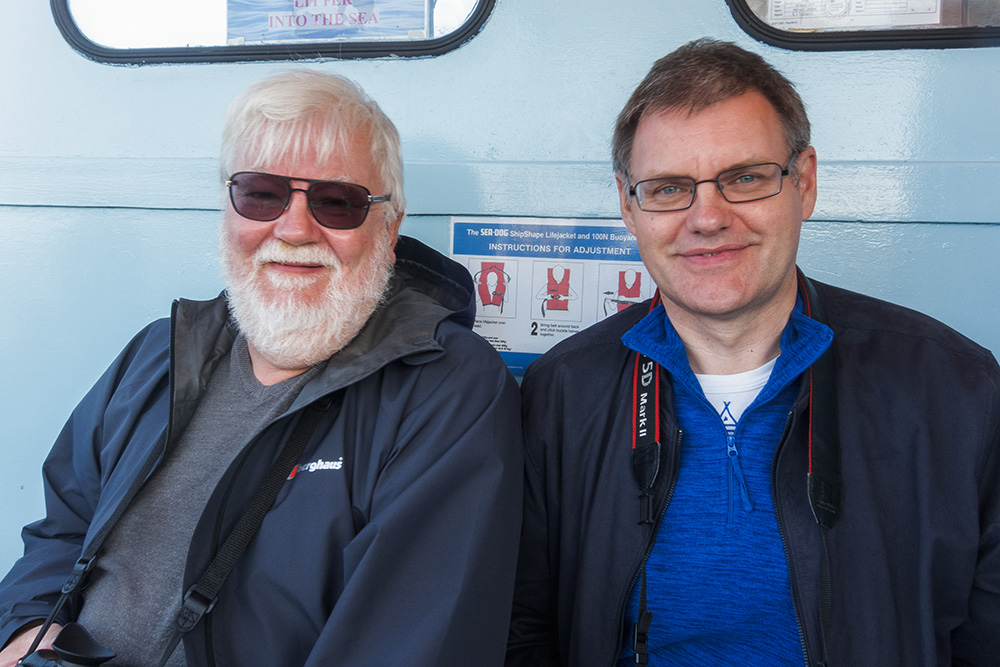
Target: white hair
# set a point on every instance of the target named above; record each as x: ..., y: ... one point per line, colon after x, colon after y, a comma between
x: 284, y: 116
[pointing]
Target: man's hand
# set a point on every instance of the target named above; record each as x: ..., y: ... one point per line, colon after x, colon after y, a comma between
x: 21, y: 642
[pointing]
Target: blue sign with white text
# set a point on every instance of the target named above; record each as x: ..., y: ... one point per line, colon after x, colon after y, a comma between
x: 542, y: 240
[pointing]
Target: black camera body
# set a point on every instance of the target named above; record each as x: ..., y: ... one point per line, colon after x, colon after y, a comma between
x: 72, y: 647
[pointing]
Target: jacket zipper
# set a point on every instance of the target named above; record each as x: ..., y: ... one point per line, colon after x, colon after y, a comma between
x: 649, y: 548
x: 784, y: 540
x: 217, y: 539
x: 736, y: 470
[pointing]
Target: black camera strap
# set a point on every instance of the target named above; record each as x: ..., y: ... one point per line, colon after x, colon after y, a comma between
x: 825, y: 483
x: 200, y: 599
x: 202, y: 596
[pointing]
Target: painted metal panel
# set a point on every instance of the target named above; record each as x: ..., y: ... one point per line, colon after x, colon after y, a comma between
x: 109, y: 192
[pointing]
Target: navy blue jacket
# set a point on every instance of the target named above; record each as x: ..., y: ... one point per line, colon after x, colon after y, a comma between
x: 404, y: 555
x: 914, y: 554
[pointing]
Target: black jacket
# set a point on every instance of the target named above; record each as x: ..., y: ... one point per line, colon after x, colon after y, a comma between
x: 403, y: 554
x: 914, y: 553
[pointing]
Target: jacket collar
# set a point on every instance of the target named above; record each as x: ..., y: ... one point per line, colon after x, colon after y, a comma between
x: 427, y: 289
x: 803, y: 341
x: 807, y: 352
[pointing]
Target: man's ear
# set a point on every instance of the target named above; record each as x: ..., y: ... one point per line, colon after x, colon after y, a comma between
x: 624, y: 200
x: 805, y: 167
x: 394, y: 229
x: 393, y: 226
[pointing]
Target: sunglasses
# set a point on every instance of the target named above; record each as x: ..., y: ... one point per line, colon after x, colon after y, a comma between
x: 334, y: 204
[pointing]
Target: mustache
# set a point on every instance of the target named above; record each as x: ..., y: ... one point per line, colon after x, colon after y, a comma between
x: 278, y: 251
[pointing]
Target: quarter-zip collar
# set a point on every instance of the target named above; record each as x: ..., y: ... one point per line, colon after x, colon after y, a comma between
x: 803, y: 341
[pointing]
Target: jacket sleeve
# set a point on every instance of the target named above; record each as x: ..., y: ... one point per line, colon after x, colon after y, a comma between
x: 976, y: 643
x: 53, y: 544
x: 74, y: 474
x: 429, y: 575
x: 533, y: 640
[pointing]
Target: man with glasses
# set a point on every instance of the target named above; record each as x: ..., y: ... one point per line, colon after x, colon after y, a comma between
x: 752, y: 468
x: 337, y: 378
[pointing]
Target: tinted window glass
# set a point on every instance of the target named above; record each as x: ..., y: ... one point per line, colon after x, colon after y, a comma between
x: 846, y: 24
x: 207, y: 30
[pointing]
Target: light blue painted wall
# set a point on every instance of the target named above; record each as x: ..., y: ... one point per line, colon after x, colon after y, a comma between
x: 109, y: 197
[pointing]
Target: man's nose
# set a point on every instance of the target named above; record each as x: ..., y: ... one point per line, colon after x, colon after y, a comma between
x: 709, y: 212
x: 296, y: 225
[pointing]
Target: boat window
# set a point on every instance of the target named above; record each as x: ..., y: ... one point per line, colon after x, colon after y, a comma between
x: 157, y: 31
x: 870, y: 24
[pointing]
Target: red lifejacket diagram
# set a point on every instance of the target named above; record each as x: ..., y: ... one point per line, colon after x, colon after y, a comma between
x: 557, y: 293
x: 629, y: 291
x: 491, y: 284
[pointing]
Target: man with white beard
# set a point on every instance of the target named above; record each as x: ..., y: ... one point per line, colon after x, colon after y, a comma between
x: 320, y: 467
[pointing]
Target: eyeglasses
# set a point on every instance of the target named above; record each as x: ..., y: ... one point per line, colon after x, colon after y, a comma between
x: 742, y: 184
x: 335, y: 205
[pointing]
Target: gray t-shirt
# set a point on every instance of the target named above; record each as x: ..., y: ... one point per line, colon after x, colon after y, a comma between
x: 135, y: 590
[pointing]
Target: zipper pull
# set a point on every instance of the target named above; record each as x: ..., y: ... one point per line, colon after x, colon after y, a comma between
x: 734, y: 465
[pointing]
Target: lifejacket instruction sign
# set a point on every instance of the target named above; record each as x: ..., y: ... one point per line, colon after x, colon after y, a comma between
x: 268, y: 21
x: 539, y: 281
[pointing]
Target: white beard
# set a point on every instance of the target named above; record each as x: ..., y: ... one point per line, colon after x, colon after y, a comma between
x: 286, y: 330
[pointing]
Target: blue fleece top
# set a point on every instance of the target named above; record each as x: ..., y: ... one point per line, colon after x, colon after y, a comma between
x: 717, y: 579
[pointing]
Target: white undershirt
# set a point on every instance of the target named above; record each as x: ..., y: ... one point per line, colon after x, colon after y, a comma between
x: 732, y: 394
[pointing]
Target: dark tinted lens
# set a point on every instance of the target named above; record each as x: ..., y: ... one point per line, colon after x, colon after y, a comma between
x: 338, y: 205
x: 258, y: 196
